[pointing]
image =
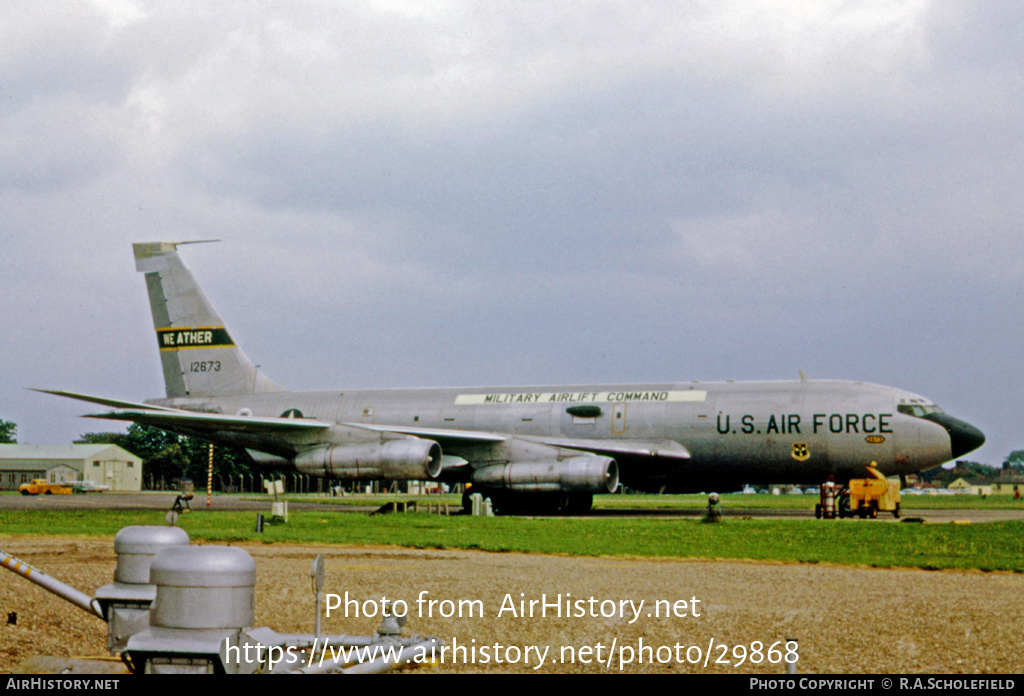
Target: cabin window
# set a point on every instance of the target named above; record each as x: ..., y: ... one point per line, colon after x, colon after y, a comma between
x: 918, y: 410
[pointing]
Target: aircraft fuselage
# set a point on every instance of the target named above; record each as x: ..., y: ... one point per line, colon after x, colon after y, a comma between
x: 735, y: 432
x: 561, y: 443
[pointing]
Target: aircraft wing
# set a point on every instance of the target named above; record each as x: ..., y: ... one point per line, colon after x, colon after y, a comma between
x: 269, y: 428
x: 275, y: 436
x: 441, y: 435
x: 103, y: 401
x: 174, y: 419
x: 612, y: 448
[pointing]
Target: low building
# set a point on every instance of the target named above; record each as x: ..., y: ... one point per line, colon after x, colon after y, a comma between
x: 962, y: 485
x: 1008, y: 482
x: 107, y: 465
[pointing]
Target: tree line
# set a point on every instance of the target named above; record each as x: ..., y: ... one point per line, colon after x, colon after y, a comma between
x: 169, y: 457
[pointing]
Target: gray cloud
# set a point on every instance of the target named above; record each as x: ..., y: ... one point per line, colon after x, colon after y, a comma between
x: 462, y: 193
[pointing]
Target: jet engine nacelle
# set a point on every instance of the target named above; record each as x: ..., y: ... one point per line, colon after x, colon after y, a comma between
x: 583, y: 474
x: 396, y: 460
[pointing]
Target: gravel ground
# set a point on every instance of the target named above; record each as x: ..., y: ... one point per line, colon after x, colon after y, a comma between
x: 846, y: 620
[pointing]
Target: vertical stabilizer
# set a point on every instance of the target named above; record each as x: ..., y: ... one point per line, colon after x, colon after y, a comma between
x: 198, y: 356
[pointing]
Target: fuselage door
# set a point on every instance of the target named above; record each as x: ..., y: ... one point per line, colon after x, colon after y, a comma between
x: 619, y: 418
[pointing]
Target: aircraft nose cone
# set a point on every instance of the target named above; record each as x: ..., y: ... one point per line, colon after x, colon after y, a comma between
x: 963, y: 437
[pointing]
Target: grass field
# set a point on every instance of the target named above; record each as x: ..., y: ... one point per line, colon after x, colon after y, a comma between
x: 987, y: 547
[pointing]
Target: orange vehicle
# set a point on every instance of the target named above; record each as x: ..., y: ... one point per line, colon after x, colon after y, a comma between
x: 37, y: 486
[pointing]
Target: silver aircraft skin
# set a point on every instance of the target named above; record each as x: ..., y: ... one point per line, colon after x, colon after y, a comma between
x: 552, y: 445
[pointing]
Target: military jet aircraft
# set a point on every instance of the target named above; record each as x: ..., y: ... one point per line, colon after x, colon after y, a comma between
x: 554, y: 446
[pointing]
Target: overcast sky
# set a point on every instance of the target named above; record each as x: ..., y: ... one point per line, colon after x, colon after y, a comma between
x: 499, y: 193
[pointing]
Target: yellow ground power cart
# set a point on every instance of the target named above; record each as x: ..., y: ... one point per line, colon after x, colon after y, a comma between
x: 869, y: 496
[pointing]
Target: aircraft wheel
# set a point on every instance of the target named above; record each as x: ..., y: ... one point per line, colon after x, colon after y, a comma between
x: 502, y: 504
x: 577, y: 503
x: 817, y: 511
x: 844, y: 506
x: 467, y: 504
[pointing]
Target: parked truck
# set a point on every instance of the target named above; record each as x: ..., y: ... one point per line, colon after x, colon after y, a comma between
x: 42, y: 486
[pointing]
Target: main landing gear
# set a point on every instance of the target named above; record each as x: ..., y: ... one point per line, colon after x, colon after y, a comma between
x: 510, y: 503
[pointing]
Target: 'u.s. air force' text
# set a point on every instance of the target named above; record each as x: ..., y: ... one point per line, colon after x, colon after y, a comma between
x: 791, y: 423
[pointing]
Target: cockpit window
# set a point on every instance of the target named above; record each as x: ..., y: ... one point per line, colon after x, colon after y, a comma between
x: 919, y: 410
